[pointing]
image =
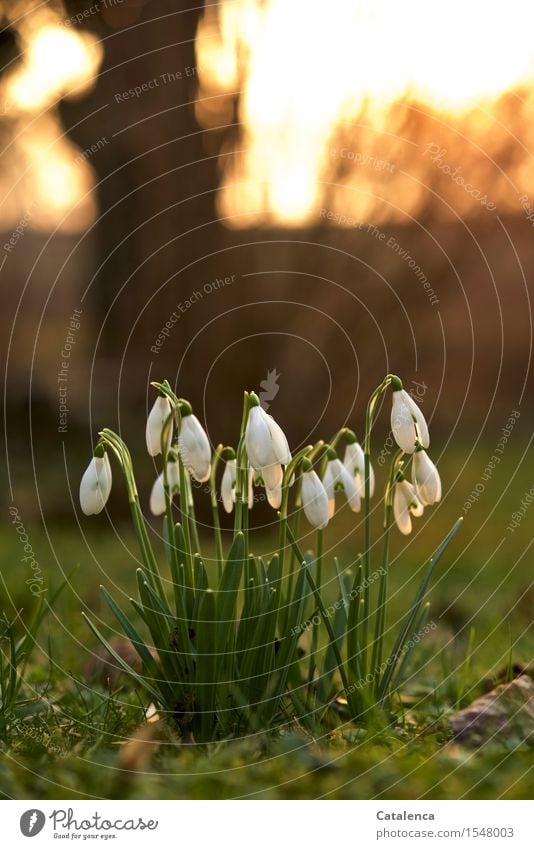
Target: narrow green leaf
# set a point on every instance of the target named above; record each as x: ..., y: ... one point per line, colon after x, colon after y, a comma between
x: 228, y: 591
x: 206, y: 669
x: 406, y: 630
x: 142, y: 681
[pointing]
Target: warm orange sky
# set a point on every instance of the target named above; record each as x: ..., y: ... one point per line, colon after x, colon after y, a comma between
x: 318, y: 87
x: 305, y: 69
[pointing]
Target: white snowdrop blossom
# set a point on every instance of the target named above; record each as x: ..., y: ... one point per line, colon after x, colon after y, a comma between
x: 405, y: 505
x: 157, y: 495
x: 354, y: 462
x: 228, y: 485
x: 314, y: 500
x: 194, y: 448
x: 267, y: 447
x: 337, y: 477
x: 274, y: 496
x: 425, y: 478
x: 95, y: 485
x: 157, y: 417
x: 407, y: 422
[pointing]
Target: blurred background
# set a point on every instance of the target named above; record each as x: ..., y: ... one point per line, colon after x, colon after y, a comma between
x: 287, y: 196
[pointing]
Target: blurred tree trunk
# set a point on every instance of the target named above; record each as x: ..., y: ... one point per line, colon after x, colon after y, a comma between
x: 155, y: 187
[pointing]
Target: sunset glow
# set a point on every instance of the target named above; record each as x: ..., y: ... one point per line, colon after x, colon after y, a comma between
x: 52, y: 179
x: 302, y: 75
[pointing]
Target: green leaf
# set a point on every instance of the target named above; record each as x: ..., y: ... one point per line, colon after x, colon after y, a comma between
x: 413, y: 613
x: 228, y: 592
x: 122, y: 663
x: 286, y: 656
x: 206, y: 669
x: 149, y: 663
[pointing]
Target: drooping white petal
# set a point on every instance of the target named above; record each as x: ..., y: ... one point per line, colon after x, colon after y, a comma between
x: 350, y: 488
x: 157, y: 497
x: 425, y: 478
x: 154, y: 427
x: 329, y: 484
x: 258, y: 439
x: 360, y: 483
x: 422, y: 427
x: 194, y: 448
x: 315, y: 500
x: 405, y: 505
x: 267, y: 447
x: 401, y: 512
x: 274, y: 496
x: 228, y: 484
x: 354, y: 462
x: 157, y: 494
x: 402, y: 422
x: 337, y: 477
x: 272, y: 475
x: 280, y: 443
x: 354, y: 458
x: 95, y: 486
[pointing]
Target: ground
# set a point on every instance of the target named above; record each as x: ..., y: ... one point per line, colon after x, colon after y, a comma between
x: 68, y: 738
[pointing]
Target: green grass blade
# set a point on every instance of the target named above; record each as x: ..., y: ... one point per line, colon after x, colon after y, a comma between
x: 206, y: 669
x: 123, y: 665
x: 149, y: 662
x: 228, y: 591
x: 413, y: 612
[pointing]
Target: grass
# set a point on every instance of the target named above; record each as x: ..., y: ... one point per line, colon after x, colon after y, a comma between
x: 70, y: 738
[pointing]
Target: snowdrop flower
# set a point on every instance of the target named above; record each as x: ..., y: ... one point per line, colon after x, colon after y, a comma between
x: 95, y: 485
x: 425, y: 478
x: 157, y: 495
x: 337, y: 477
x: 157, y: 417
x: 405, y: 505
x: 194, y: 446
x: 407, y: 421
x: 266, y: 445
x: 314, y: 497
x: 228, y: 485
x: 274, y: 496
x: 354, y: 462
x: 250, y: 488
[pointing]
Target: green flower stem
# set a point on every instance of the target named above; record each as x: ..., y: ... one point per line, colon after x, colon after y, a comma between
x: 184, y: 493
x: 319, y: 566
x: 215, y: 508
x: 242, y: 471
x: 384, y: 572
x: 120, y: 450
x: 166, y: 389
x: 290, y: 470
x: 292, y: 563
x: 184, y: 509
x: 319, y: 582
x: 195, y: 540
x: 168, y: 497
x: 344, y: 431
x: 324, y: 616
x: 371, y: 406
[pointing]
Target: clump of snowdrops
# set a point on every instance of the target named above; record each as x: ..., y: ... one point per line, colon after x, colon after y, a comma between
x: 234, y: 642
